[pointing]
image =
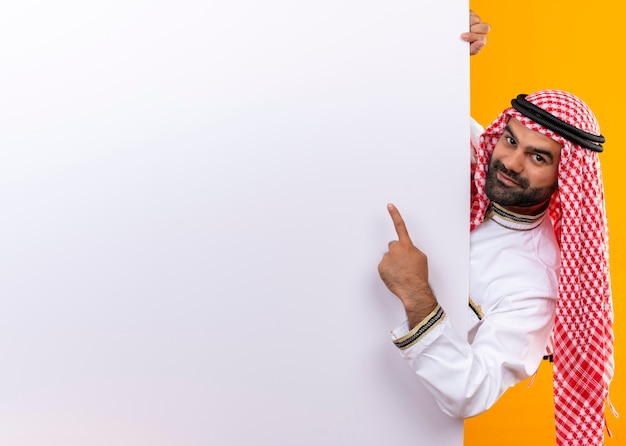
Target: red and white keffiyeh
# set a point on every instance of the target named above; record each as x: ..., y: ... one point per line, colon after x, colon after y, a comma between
x: 583, y: 335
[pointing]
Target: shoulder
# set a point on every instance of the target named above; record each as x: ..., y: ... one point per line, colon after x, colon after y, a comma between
x: 475, y: 131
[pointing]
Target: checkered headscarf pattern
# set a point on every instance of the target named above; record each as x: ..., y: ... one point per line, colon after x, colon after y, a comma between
x: 582, y: 338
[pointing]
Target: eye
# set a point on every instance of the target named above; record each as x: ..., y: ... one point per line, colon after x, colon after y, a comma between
x: 538, y: 158
x: 510, y: 141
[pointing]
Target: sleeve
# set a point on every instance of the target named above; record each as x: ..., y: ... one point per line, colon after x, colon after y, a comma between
x: 475, y: 131
x: 467, y: 379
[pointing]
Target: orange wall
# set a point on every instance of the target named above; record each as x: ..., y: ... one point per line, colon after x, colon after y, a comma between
x: 576, y: 46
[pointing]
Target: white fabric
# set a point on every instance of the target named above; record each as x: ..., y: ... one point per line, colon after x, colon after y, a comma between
x: 475, y: 131
x: 514, y: 281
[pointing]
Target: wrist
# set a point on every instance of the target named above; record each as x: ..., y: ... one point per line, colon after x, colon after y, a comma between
x: 404, y: 339
x: 419, y: 304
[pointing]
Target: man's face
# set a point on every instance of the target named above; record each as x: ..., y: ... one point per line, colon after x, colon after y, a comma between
x: 523, y: 169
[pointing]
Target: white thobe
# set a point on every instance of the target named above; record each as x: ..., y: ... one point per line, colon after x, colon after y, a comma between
x: 514, y: 263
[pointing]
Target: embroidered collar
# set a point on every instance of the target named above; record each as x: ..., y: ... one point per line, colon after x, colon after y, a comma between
x: 511, y: 220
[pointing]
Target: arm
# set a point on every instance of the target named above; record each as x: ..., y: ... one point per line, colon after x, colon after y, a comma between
x: 467, y: 379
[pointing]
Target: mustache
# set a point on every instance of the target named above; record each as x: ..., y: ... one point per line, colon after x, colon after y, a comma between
x: 498, y: 166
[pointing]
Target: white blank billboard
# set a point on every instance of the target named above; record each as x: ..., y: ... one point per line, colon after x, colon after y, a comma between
x: 193, y: 206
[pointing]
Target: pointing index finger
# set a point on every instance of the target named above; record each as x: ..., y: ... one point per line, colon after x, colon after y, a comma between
x: 398, y: 222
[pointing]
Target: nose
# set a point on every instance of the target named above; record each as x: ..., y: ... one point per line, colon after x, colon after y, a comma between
x: 515, y: 161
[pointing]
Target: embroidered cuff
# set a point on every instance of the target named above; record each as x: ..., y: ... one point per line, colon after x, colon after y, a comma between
x: 420, y: 329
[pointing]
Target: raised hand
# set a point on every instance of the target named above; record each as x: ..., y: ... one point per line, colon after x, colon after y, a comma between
x: 404, y: 270
x: 477, y: 35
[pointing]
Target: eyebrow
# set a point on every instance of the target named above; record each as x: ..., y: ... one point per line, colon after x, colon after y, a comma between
x: 538, y: 150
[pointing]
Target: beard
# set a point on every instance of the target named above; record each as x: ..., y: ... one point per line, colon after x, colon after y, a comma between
x: 522, y: 196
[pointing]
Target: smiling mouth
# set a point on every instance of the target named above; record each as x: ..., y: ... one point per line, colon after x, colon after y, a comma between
x: 506, y: 180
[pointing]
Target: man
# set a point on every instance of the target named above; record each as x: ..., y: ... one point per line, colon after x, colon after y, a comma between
x: 538, y: 272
